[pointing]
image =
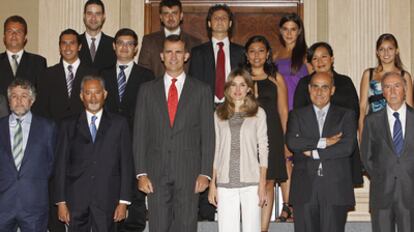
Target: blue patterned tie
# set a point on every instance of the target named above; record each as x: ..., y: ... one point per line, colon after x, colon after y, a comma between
x: 92, y: 127
x: 69, y: 79
x: 397, y: 137
x: 121, y: 81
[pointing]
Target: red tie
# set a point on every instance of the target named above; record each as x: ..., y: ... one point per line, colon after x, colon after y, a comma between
x: 172, y: 101
x: 220, y: 71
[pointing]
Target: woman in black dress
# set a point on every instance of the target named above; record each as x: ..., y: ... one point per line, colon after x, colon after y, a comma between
x: 271, y: 92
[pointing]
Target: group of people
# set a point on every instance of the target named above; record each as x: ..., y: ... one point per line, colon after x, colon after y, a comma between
x: 198, y: 128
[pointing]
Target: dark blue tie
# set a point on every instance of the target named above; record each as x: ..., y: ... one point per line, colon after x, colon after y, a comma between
x: 121, y: 81
x: 92, y: 127
x: 397, y: 137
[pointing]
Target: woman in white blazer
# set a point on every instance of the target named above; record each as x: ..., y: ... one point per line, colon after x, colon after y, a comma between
x: 240, y: 159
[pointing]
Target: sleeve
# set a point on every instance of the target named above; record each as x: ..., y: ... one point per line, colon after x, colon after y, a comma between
x: 262, y: 138
x: 126, y: 162
x: 366, y: 144
x: 295, y: 139
x: 62, y: 158
x: 207, y: 131
x: 140, y: 127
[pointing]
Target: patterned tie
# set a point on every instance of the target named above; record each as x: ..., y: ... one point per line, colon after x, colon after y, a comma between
x: 397, y: 137
x: 18, y: 144
x: 121, y: 81
x: 14, y: 64
x: 172, y: 101
x: 92, y: 127
x: 69, y: 79
x: 220, y: 71
x: 92, y: 49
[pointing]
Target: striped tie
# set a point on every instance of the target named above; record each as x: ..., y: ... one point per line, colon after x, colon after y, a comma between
x: 15, y: 63
x: 18, y: 144
x: 69, y: 79
x: 397, y: 137
x: 92, y: 49
x: 121, y: 81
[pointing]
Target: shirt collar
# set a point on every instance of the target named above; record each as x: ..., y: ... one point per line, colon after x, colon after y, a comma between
x: 129, y: 64
x: 98, y: 114
x: 402, y: 110
x: 324, y: 109
x: 27, y: 118
x: 75, y: 64
x: 180, y: 78
x: 19, y: 53
x: 168, y: 32
x: 97, y: 36
x: 225, y: 41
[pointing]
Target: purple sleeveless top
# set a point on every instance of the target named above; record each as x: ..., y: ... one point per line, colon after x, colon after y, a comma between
x: 291, y: 80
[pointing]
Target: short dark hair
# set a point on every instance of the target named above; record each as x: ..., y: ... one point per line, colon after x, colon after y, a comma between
x: 94, y: 2
x: 169, y: 4
x: 312, y: 49
x: 91, y: 78
x: 126, y: 32
x: 70, y: 31
x: 16, y: 19
x: 210, y: 13
x: 174, y: 38
x: 24, y: 84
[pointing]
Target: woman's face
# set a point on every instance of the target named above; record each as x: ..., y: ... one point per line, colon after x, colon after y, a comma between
x: 387, y: 52
x: 257, y: 54
x: 321, y: 60
x: 238, y: 89
x: 290, y: 32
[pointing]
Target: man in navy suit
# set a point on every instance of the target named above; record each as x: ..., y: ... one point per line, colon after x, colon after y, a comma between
x: 26, y: 162
x: 93, y: 164
x: 15, y: 62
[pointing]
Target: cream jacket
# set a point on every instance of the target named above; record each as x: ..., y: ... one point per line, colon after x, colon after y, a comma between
x: 253, y: 148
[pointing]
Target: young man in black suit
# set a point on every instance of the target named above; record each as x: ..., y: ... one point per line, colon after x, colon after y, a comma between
x: 15, y: 62
x: 322, y: 137
x: 96, y: 48
x: 60, y: 86
x: 122, y: 82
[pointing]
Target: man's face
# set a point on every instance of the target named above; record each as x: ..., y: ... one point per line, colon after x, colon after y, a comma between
x: 93, y: 96
x: 220, y: 22
x: 14, y: 37
x: 171, y: 17
x: 174, y: 56
x: 20, y: 100
x: 393, y: 89
x: 69, y: 48
x: 321, y: 89
x: 125, y: 48
x: 94, y: 17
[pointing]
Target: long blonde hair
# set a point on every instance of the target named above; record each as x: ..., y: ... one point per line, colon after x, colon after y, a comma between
x: 250, y: 105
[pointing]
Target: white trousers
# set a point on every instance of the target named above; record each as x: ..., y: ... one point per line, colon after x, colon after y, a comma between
x: 229, y: 201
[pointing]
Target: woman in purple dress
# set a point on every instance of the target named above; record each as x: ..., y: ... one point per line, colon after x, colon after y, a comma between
x: 291, y: 63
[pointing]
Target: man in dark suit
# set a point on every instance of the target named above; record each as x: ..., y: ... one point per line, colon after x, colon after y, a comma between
x: 320, y: 56
x: 59, y: 88
x: 94, y: 164
x: 4, y: 109
x: 204, y: 67
x: 27, y: 145
x: 171, y: 16
x: 96, y: 50
x: 205, y: 60
x: 322, y: 137
x: 387, y: 152
x: 122, y: 83
x: 173, y: 142
x: 15, y: 62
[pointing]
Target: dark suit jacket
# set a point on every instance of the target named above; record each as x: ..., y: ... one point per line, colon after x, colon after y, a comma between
x: 303, y: 135
x: 31, y: 67
x: 53, y: 100
x: 105, y: 55
x: 152, y: 45
x: 4, y: 108
x: 203, y: 64
x: 137, y: 76
x: 185, y: 150
x: 382, y: 162
x: 30, y: 183
x: 345, y: 96
x: 90, y: 173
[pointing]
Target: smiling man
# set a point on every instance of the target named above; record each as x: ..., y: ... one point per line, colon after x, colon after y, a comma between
x: 171, y: 16
x: 92, y: 184
x: 322, y: 137
x: 96, y: 48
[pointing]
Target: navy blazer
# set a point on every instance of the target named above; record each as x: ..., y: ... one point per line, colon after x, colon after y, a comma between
x: 29, y: 184
x: 105, y: 55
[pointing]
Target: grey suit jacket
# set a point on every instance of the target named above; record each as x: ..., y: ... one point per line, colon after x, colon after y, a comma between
x: 152, y: 45
x: 186, y: 150
x: 4, y: 109
x: 382, y: 162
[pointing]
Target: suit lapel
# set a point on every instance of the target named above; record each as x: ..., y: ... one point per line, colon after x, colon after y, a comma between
x: 387, y: 134
x: 159, y: 91
x: 23, y: 65
x: 82, y: 126
x: 5, y: 137
x: 104, y: 125
x: 61, y: 78
x: 31, y: 139
x: 6, y: 64
x: 328, y: 120
x: 409, y: 133
x: 314, y: 126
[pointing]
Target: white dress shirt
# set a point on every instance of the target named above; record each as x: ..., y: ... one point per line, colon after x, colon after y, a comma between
x: 179, y: 83
x: 97, y: 39
x: 19, y: 56
x: 75, y: 66
x: 227, y: 66
x: 168, y: 32
x: 391, y: 119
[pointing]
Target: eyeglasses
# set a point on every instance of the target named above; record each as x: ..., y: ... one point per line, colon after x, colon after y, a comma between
x: 129, y: 44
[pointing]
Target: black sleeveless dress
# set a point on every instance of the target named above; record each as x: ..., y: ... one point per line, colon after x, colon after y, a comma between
x: 267, y: 97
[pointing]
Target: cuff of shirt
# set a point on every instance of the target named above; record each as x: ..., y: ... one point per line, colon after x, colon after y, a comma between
x: 62, y: 202
x: 322, y: 143
x: 124, y: 202
x: 141, y: 174
x: 209, y: 178
x: 315, y: 154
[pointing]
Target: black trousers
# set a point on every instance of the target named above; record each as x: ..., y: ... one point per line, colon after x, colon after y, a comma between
x: 319, y: 216
x: 385, y: 220
x: 54, y: 225
x: 137, y: 214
